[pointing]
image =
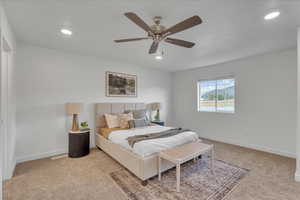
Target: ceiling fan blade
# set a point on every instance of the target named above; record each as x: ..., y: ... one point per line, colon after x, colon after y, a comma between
x: 186, y: 24
x: 131, y: 39
x: 180, y: 42
x: 138, y: 21
x: 154, y: 47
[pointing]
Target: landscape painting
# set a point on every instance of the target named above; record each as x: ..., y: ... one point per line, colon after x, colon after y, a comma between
x: 121, y: 85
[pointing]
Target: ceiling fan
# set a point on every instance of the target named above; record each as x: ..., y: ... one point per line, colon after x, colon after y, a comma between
x: 160, y: 33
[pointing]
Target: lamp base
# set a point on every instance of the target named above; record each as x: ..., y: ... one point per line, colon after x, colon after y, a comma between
x: 75, y: 126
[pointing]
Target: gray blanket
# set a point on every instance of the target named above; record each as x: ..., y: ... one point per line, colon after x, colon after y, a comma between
x: 168, y: 133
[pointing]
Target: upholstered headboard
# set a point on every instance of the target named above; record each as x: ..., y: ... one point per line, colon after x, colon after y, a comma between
x: 103, y: 108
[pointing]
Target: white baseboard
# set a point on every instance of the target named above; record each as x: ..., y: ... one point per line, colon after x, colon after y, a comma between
x: 297, y: 176
x: 11, y: 170
x: 251, y: 146
x: 41, y: 155
x: 44, y: 155
x: 13, y: 167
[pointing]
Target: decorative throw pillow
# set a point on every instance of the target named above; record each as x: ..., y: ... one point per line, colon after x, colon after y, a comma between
x: 101, y: 121
x: 124, y: 119
x: 137, y: 123
x: 140, y: 123
x: 112, y: 121
x: 139, y: 114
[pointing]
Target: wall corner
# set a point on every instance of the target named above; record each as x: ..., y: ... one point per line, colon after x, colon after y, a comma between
x: 297, y: 173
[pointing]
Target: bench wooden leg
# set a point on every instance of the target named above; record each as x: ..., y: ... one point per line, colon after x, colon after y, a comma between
x: 178, y: 177
x: 159, y: 166
x: 212, y: 159
x: 212, y: 164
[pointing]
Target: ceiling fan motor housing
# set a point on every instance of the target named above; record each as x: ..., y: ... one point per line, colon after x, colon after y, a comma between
x: 157, y: 28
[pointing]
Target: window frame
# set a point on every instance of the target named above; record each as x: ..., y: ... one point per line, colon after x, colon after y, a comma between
x: 216, y: 101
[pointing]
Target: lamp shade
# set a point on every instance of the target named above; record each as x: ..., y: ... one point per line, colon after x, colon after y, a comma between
x: 155, y: 106
x: 74, y: 108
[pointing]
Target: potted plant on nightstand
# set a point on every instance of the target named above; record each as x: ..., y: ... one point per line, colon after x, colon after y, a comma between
x: 84, y: 126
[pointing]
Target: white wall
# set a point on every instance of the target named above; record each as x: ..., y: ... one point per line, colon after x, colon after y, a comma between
x: 7, y: 97
x: 297, y: 174
x: 47, y: 79
x: 265, y: 116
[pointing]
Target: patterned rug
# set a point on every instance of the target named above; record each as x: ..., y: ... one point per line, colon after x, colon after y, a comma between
x: 197, y: 182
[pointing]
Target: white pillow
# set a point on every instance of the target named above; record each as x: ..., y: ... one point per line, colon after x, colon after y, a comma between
x: 112, y: 121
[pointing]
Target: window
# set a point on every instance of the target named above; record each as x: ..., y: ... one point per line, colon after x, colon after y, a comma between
x: 216, y: 95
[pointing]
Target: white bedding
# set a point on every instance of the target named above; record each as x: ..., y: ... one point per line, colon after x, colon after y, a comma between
x: 148, y: 147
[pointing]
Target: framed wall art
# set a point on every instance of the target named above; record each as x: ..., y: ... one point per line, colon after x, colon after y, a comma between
x: 121, y: 85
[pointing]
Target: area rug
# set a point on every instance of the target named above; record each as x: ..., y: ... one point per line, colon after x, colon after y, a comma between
x: 197, y: 182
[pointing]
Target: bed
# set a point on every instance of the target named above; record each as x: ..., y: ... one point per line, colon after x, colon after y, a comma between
x: 142, y: 159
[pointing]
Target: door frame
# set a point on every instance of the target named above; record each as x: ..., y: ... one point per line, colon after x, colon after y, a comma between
x: 1, y: 123
x: 5, y: 53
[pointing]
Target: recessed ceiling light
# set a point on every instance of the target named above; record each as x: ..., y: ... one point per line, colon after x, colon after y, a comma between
x: 272, y: 15
x: 66, y: 31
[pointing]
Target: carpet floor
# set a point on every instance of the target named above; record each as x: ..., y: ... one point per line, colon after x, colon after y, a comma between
x: 271, y: 177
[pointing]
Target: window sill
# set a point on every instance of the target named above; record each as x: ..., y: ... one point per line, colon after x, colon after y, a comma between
x: 224, y: 112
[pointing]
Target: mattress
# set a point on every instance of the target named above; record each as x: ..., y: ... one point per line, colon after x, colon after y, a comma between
x: 149, y: 147
x: 105, y: 132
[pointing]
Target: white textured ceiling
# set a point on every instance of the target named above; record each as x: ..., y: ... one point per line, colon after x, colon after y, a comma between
x: 231, y: 29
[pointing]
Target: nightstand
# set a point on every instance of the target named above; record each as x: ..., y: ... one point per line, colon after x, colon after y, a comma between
x: 161, y: 123
x: 79, y: 143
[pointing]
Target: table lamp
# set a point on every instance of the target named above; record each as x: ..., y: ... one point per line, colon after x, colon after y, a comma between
x: 74, y: 109
x: 156, y: 107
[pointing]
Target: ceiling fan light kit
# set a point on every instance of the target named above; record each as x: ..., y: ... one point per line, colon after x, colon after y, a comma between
x: 159, y: 55
x: 159, y: 33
